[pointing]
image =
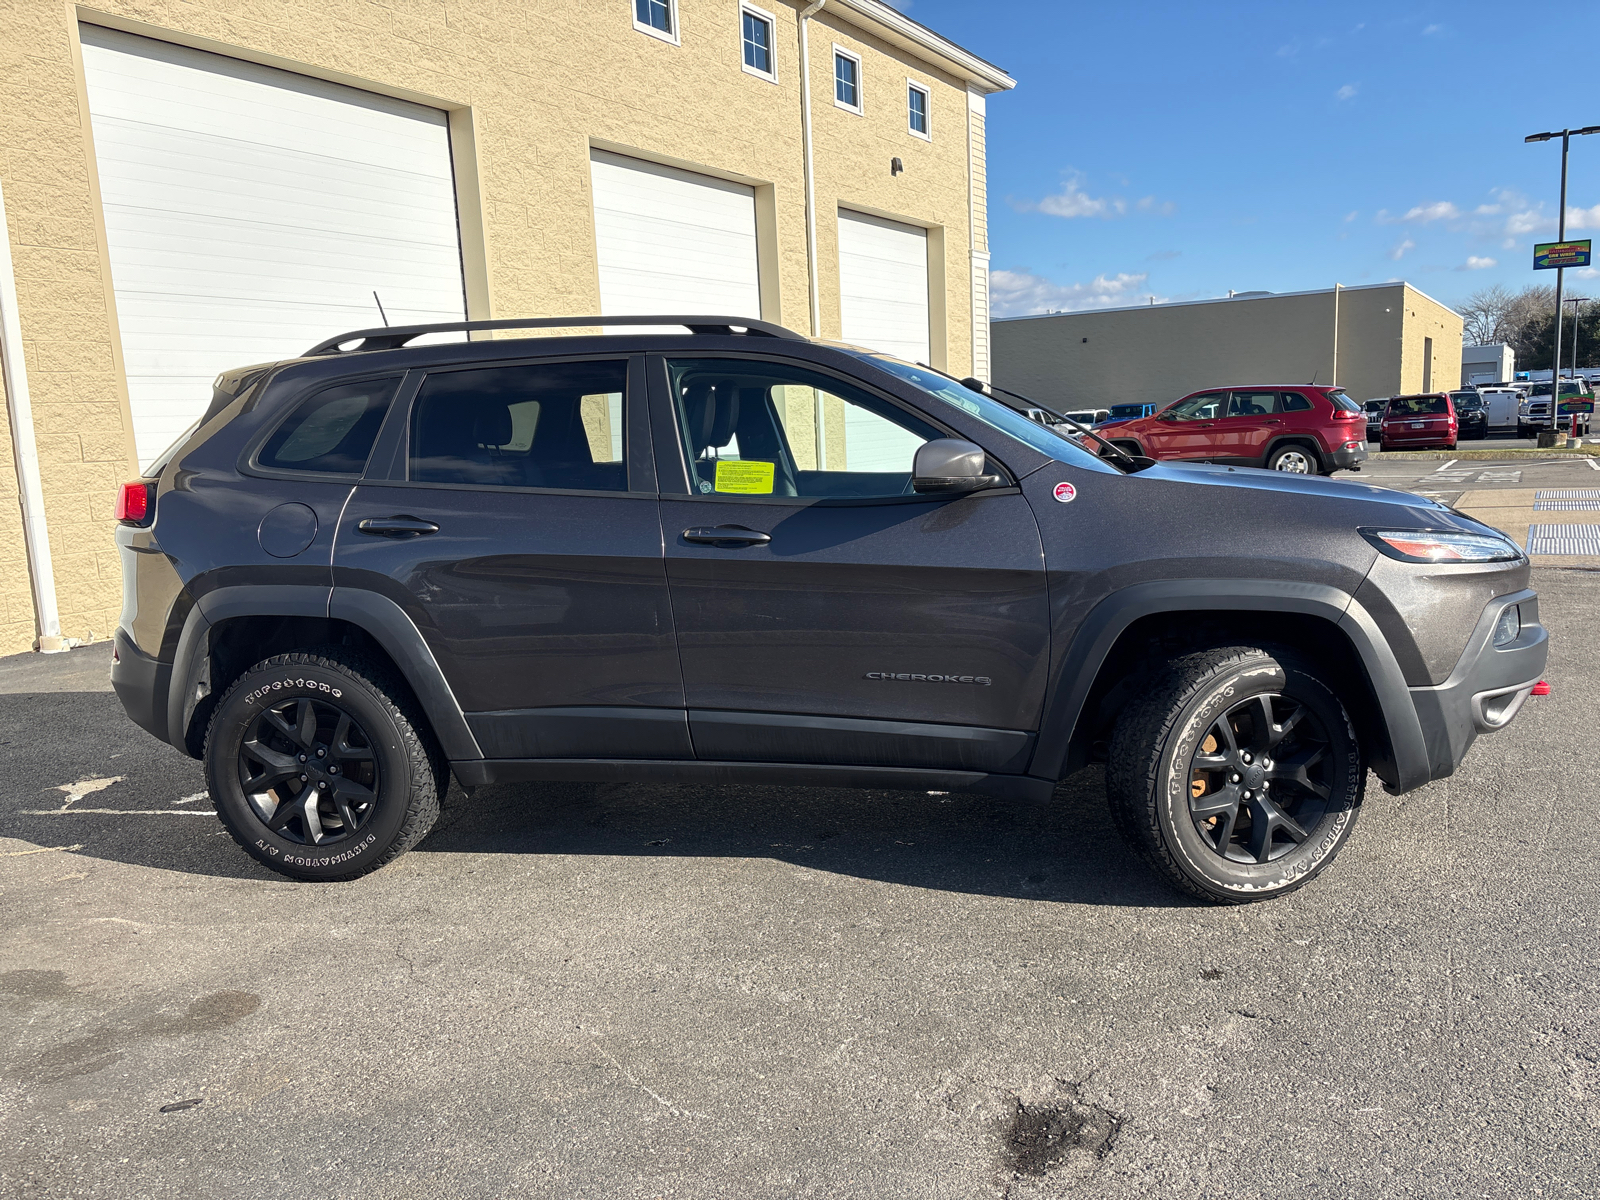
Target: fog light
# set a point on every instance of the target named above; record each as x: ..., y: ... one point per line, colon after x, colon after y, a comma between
x: 1509, y: 626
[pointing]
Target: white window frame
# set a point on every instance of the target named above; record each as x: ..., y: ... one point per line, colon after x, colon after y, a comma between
x: 913, y: 85
x: 672, y: 16
x: 861, y: 80
x: 772, y: 40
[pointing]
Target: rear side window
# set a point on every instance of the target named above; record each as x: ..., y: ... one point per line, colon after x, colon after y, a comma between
x: 546, y: 425
x: 1345, y: 404
x: 331, y: 431
x: 1294, y: 402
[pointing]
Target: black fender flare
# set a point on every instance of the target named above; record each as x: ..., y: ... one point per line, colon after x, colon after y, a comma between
x: 1098, y: 633
x: 381, y: 618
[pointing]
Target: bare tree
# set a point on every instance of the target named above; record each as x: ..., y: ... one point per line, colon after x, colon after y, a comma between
x: 1484, y: 316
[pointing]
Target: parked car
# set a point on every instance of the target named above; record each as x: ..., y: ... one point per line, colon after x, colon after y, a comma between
x: 1374, y: 410
x: 1126, y: 412
x: 1502, y: 408
x: 1535, y: 411
x: 1419, y: 422
x: 1284, y: 427
x: 738, y: 556
x: 1472, y: 415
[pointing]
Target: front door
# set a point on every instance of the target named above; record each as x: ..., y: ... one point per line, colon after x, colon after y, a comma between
x: 519, y: 531
x: 825, y: 612
x: 1185, y: 429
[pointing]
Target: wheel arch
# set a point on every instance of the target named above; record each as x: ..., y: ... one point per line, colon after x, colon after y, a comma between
x: 1305, y: 440
x: 1139, y: 624
x: 232, y: 628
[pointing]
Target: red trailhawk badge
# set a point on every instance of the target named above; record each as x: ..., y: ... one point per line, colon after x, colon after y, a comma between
x: 1066, y: 493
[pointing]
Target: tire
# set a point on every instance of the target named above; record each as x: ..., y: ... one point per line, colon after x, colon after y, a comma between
x: 1449, y: 445
x: 1151, y: 774
x: 1295, y: 459
x: 381, y: 775
x: 1383, y: 447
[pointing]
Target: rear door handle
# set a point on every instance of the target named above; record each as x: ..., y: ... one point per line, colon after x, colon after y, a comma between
x: 395, y: 527
x: 1274, y: 422
x: 725, y: 535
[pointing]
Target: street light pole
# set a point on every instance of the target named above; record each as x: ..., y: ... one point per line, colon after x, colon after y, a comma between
x: 1566, y: 136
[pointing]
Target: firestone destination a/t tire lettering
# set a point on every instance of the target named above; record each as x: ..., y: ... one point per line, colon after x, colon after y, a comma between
x: 319, y: 769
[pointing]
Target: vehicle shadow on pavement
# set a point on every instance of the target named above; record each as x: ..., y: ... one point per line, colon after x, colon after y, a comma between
x: 146, y: 807
x: 1063, y: 850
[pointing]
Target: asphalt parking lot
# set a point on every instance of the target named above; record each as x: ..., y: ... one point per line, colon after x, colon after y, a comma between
x: 640, y: 991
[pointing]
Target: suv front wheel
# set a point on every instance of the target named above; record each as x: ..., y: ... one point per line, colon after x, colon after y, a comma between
x: 1237, y: 775
x: 318, y: 769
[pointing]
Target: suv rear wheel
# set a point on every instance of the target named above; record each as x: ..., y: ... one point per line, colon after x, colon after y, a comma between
x: 1295, y: 459
x: 317, y: 767
x: 1237, y: 775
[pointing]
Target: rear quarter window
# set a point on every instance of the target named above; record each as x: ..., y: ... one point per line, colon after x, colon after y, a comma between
x: 331, y: 431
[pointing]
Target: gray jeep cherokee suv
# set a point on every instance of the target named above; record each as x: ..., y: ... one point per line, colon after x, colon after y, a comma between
x: 735, y: 554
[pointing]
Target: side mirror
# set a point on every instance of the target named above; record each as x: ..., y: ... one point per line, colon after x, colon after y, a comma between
x: 950, y: 467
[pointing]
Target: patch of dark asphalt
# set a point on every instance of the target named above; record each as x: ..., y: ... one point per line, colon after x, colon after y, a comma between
x: 1046, y: 1136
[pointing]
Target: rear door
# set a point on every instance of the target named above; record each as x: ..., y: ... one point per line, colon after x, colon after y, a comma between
x: 516, y: 524
x: 824, y: 612
x: 1251, y: 417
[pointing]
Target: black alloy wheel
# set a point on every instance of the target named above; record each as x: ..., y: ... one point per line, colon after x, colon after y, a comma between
x: 1259, y: 779
x: 309, y: 771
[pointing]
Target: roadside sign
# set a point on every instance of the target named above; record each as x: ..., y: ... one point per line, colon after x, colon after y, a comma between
x: 1547, y: 256
x: 1567, y: 407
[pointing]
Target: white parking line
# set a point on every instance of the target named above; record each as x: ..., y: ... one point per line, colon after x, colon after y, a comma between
x: 1594, y: 463
x: 120, y: 812
x: 1448, y: 465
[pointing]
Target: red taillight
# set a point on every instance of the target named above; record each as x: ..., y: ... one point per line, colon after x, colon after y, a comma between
x: 1541, y: 688
x: 133, y: 502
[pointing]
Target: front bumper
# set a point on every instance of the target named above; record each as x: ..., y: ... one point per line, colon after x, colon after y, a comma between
x: 1486, y: 689
x: 1350, y: 454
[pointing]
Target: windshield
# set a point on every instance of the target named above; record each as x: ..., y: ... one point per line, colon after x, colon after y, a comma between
x: 990, y: 411
x: 1418, y: 406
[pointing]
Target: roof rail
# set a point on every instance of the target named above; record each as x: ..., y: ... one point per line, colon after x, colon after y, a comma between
x: 393, y: 338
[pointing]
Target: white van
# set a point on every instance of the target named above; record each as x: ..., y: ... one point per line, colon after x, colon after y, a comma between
x: 1503, y: 407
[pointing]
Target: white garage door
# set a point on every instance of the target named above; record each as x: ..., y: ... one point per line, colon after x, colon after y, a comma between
x: 252, y: 212
x: 671, y: 241
x: 883, y: 305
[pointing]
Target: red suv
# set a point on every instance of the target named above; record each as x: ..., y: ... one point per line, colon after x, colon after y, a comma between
x: 1284, y: 427
x: 1418, y: 422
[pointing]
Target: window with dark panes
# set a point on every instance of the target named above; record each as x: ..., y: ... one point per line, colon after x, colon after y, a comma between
x: 1294, y: 402
x: 768, y: 429
x: 846, y: 80
x: 917, y: 106
x: 332, y: 430
x: 548, y: 425
x: 655, y: 13
x: 757, y: 42
x: 1252, y: 404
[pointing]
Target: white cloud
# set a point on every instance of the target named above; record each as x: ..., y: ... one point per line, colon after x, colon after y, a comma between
x: 1439, y: 210
x: 1583, y: 218
x: 1072, y: 201
x: 1432, y: 29
x: 1586, y: 273
x: 1347, y: 91
x: 1351, y: 215
x: 1399, y: 251
x: 1018, y: 293
x: 1474, y: 263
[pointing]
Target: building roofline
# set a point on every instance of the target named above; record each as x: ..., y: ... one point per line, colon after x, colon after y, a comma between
x: 1360, y: 287
x: 915, y: 36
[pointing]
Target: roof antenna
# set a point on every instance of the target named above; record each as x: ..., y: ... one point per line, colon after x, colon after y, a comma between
x: 381, y: 313
x: 1313, y: 382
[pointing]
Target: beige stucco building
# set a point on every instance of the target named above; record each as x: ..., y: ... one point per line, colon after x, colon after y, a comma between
x: 494, y: 160
x: 1376, y: 340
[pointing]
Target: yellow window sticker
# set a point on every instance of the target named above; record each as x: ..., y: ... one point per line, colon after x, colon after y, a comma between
x: 743, y: 477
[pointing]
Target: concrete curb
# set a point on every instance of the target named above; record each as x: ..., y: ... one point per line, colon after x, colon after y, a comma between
x: 1514, y: 452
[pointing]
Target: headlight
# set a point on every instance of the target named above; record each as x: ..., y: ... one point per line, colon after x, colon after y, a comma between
x: 1509, y: 626
x: 1442, y: 546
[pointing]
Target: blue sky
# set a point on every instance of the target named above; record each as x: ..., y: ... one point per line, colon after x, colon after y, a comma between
x: 1180, y: 150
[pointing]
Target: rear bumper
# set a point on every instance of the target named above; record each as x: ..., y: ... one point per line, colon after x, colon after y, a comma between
x: 1484, y: 692
x: 1349, y: 456
x: 141, y: 683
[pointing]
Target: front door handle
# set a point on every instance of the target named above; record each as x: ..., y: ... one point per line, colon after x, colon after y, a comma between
x: 725, y: 535
x: 395, y: 527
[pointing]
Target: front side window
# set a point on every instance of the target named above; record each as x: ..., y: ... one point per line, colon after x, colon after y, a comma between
x: 917, y: 109
x: 846, y: 79
x: 547, y: 425
x: 754, y: 428
x: 756, y: 29
x: 654, y: 16
x: 1207, y: 406
x: 331, y: 431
